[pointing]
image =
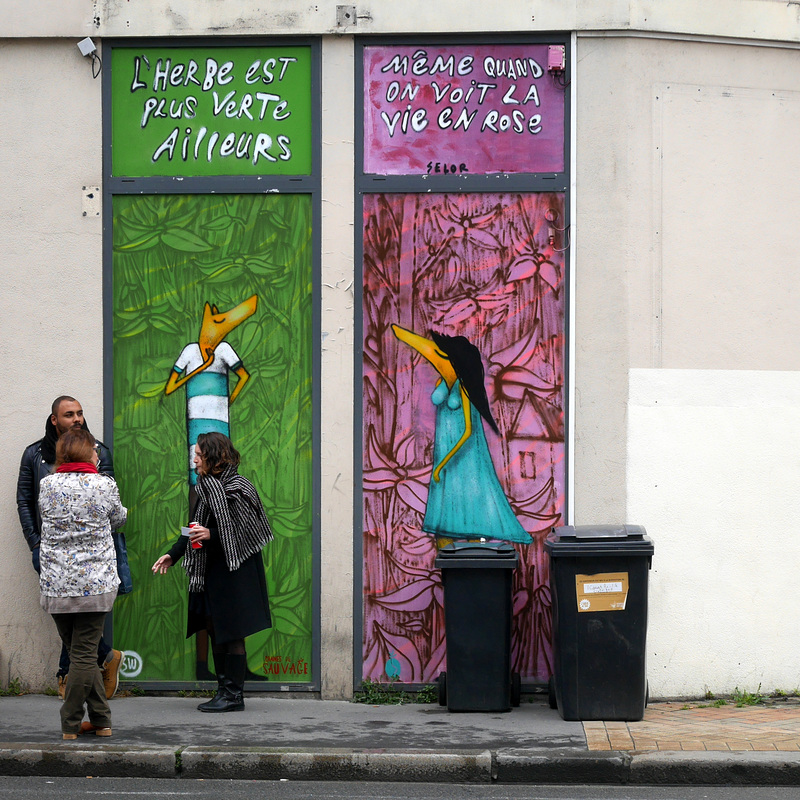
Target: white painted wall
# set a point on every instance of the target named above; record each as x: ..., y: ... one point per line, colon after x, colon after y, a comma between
x: 713, y: 471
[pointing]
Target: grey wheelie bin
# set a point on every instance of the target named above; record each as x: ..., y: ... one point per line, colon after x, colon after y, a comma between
x: 477, y: 580
x: 598, y: 584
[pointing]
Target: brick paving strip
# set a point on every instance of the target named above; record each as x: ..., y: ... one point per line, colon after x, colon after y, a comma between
x: 681, y: 726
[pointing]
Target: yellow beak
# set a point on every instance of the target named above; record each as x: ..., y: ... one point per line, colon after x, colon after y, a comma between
x: 428, y: 350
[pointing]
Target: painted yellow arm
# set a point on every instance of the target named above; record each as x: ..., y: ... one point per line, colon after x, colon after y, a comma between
x: 464, y: 436
x: 243, y: 376
x: 175, y: 381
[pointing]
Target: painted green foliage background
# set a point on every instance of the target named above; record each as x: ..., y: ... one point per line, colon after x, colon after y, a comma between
x: 172, y: 253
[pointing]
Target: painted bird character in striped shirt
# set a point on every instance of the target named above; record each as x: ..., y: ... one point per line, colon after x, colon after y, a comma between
x: 204, y: 366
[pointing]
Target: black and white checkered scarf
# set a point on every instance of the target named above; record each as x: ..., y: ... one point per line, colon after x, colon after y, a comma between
x: 233, y: 503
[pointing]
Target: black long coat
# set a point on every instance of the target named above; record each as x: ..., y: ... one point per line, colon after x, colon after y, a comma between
x: 237, y: 601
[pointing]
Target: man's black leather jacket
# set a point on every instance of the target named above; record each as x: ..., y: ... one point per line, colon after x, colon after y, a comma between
x: 32, y: 469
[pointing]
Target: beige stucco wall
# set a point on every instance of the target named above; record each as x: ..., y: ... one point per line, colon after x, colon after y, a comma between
x: 338, y: 320
x: 686, y: 307
x: 686, y: 166
x: 685, y: 257
x: 685, y: 208
x: 769, y: 20
x: 50, y: 148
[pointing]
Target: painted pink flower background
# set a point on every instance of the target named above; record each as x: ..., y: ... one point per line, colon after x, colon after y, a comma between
x: 489, y: 267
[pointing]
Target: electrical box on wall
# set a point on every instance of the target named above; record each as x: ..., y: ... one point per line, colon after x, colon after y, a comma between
x: 556, y: 58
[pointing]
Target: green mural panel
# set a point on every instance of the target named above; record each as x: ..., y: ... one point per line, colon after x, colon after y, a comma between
x: 186, y: 111
x: 172, y: 255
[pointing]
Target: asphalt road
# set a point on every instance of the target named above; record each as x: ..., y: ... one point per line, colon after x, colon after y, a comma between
x: 148, y: 789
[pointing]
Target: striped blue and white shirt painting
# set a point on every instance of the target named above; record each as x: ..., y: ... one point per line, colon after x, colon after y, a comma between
x: 206, y: 394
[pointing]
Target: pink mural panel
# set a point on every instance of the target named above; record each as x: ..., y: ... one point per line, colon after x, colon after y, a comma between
x: 465, y: 109
x: 489, y: 267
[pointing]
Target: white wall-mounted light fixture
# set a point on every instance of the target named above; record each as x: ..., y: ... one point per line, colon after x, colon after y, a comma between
x: 87, y: 46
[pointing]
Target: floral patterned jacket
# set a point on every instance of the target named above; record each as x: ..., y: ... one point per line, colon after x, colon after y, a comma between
x: 77, y: 552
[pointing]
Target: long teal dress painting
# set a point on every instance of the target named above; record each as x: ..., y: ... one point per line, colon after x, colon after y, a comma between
x: 465, y: 499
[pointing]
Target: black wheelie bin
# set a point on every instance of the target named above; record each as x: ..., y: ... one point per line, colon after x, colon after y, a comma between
x: 477, y: 579
x: 598, y: 584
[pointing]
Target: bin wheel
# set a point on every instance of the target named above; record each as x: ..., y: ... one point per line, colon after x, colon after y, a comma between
x: 442, y: 684
x: 646, y: 693
x: 551, y: 692
x: 516, y: 689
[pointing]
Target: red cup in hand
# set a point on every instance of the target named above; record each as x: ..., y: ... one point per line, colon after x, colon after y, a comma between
x: 195, y: 545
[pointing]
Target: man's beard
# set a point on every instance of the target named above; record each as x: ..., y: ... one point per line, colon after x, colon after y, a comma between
x: 74, y: 425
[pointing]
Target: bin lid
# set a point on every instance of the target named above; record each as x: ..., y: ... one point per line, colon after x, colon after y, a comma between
x: 598, y: 540
x: 497, y: 555
x: 582, y: 533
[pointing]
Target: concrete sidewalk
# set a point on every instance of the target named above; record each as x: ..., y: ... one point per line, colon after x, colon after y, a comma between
x: 307, y: 739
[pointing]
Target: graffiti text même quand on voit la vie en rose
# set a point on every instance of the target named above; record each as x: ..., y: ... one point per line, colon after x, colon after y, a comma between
x: 482, y: 85
x: 211, y: 80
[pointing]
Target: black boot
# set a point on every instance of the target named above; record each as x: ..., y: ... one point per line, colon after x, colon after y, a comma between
x: 219, y: 666
x: 229, y: 697
x: 236, y: 669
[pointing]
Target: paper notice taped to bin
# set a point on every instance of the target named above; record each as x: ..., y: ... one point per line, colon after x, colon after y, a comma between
x: 607, y: 591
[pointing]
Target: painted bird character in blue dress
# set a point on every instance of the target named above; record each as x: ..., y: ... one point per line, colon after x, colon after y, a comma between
x: 465, y: 498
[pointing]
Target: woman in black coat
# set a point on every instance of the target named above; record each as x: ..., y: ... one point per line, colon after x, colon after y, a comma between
x: 227, y: 588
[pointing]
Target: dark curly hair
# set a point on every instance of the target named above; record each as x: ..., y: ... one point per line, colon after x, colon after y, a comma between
x: 218, y: 452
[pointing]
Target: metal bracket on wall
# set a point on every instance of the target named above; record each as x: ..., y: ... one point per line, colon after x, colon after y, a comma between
x: 345, y: 15
x: 90, y: 201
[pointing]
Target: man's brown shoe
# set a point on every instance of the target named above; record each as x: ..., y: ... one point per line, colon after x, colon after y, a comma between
x: 62, y: 685
x: 111, y: 672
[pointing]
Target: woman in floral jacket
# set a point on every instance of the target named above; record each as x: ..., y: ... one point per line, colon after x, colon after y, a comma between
x: 79, y: 580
